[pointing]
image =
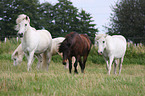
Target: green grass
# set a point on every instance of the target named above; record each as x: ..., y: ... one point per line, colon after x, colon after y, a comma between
x: 16, y: 81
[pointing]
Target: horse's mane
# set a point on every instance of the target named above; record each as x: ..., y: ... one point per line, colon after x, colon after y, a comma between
x: 98, y: 36
x: 19, y: 19
x: 67, y: 42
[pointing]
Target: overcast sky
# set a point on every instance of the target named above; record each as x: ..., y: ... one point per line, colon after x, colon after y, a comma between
x: 100, y: 10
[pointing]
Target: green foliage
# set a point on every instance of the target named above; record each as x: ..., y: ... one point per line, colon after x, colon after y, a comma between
x: 9, y: 46
x: 10, y: 9
x: 134, y: 54
x: 60, y: 19
x: 128, y: 19
x: 15, y: 80
x: 94, y: 57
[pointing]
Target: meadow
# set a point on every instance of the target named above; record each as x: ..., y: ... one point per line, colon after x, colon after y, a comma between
x: 16, y: 81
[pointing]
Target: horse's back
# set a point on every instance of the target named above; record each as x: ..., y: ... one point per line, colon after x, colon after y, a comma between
x: 120, y: 37
x: 44, y: 33
x: 87, y: 41
x: 45, y: 40
x: 81, y: 44
x: 117, y: 45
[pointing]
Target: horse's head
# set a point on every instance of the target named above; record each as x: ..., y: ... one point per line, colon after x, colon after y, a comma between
x: 100, y: 40
x: 21, y: 17
x: 64, y: 49
x: 17, y: 60
x: 23, y: 26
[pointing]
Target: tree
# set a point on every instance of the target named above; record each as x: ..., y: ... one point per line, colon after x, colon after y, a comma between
x: 86, y: 26
x: 128, y: 19
x: 46, y: 17
x: 5, y: 18
x: 64, y: 16
x: 10, y: 9
x: 68, y: 19
x: 58, y: 19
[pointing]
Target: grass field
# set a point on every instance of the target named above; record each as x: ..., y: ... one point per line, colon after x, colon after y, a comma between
x: 16, y: 81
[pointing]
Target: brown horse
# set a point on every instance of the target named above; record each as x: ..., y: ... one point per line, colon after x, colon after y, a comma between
x: 76, y: 45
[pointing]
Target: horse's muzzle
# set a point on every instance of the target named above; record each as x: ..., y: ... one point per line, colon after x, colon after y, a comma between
x: 64, y: 62
x: 100, y: 53
x: 20, y: 35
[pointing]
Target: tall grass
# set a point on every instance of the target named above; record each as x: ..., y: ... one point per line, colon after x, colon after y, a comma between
x: 9, y: 46
x: 134, y: 54
x: 16, y: 81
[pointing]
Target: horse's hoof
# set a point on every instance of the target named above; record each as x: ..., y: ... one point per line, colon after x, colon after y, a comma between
x: 76, y: 72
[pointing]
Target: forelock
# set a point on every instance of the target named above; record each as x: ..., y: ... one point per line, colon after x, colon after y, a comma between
x: 21, y: 17
x: 99, y: 36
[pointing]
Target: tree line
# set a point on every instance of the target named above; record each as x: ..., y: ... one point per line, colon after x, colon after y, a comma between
x: 128, y: 19
x: 58, y: 19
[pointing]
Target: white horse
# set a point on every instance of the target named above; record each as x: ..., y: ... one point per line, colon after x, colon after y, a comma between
x: 111, y: 47
x: 55, y: 45
x: 18, y: 55
x: 35, y: 42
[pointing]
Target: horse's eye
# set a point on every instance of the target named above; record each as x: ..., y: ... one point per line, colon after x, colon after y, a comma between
x: 103, y: 41
x: 25, y: 24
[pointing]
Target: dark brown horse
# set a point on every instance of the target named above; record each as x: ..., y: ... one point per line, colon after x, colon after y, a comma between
x: 76, y: 45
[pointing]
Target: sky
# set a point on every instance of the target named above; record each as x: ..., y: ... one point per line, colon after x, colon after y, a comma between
x: 100, y: 10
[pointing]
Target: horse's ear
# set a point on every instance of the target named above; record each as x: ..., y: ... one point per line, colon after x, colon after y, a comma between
x: 27, y: 18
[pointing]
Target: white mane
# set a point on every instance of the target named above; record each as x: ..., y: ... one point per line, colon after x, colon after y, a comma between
x: 19, y: 19
x: 98, y: 36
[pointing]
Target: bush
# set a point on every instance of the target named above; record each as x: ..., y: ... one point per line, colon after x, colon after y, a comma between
x: 94, y: 57
x: 134, y: 54
x: 9, y: 46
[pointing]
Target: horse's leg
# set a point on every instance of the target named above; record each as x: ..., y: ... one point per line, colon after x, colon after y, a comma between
x: 115, y: 65
x: 49, y: 55
x: 30, y: 59
x: 39, y: 57
x: 107, y: 66
x: 70, y: 65
x: 111, y: 60
x: 81, y: 64
x: 84, y: 62
x: 120, y: 66
x: 46, y: 59
x: 75, y: 66
x: 44, y: 64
